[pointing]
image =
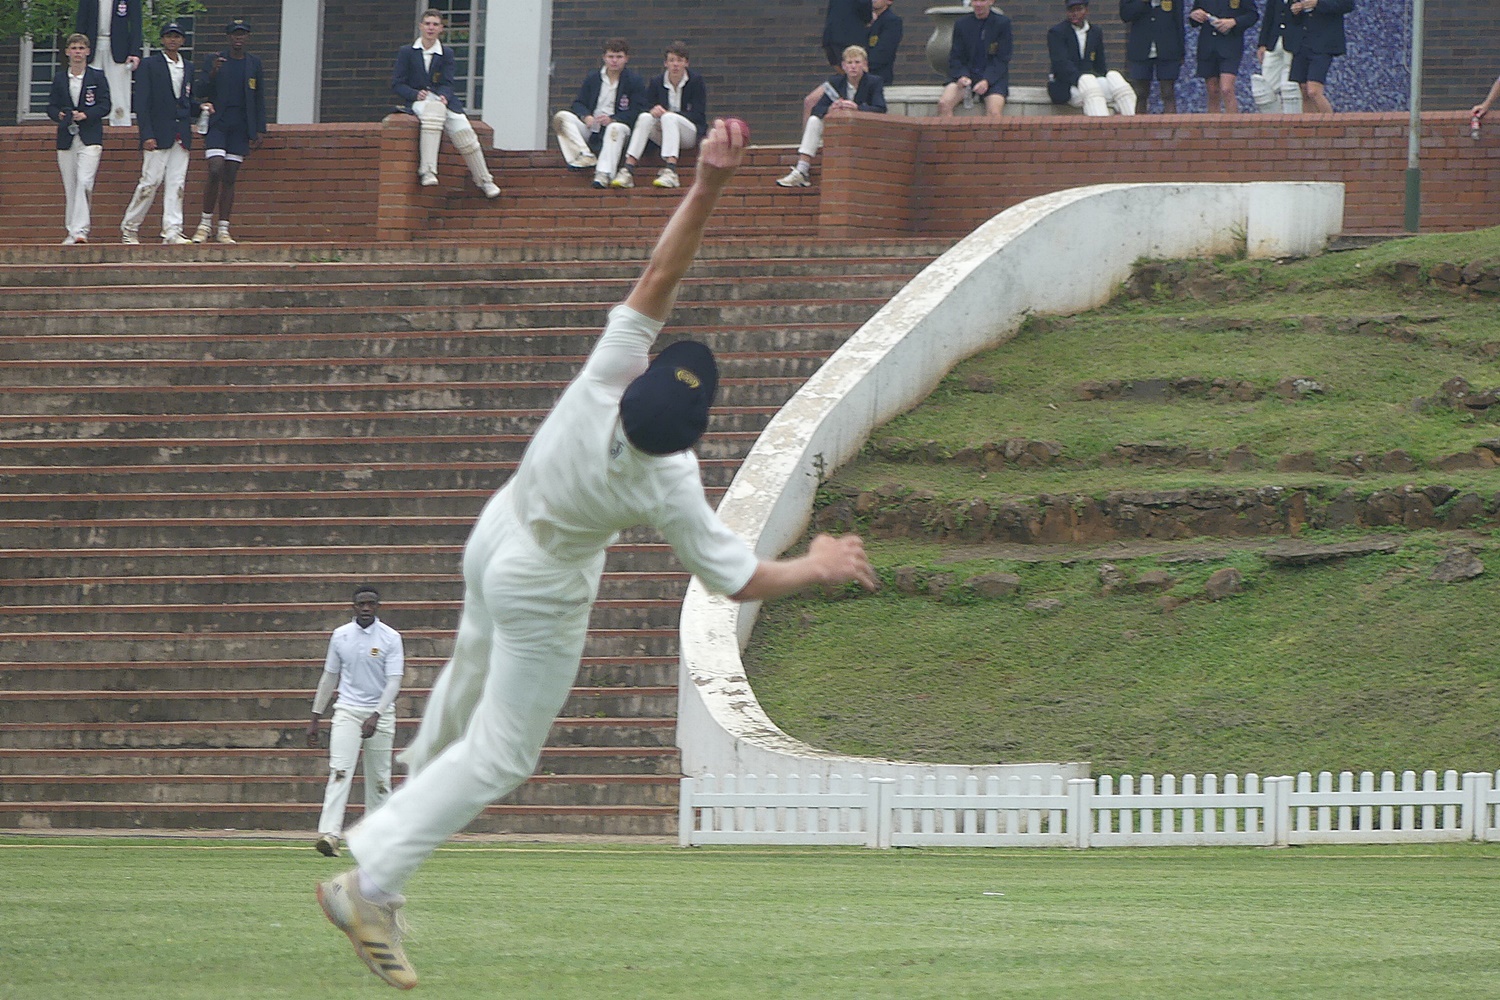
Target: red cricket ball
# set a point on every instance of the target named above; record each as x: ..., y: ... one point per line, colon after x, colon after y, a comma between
x: 741, y: 125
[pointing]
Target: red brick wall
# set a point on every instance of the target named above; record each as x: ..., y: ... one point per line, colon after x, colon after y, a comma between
x: 878, y: 176
x: 306, y: 182
x: 881, y: 173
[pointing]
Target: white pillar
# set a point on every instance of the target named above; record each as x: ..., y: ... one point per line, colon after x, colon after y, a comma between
x: 518, y: 44
x: 300, y: 79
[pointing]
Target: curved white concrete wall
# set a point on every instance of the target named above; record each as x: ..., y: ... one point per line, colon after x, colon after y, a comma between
x: 975, y: 296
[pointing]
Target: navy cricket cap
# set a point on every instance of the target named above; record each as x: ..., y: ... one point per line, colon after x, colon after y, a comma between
x: 172, y: 28
x: 665, y: 410
x: 238, y: 24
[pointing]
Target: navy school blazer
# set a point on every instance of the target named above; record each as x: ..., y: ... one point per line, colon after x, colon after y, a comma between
x: 411, y: 76
x: 93, y: 101
x: 694, y: 99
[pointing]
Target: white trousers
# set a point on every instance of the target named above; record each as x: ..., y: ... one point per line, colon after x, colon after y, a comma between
x: 1272, y: 87
x: 812, y: 137
x: 78, y: 167
x: 159, y: 166
x: 1096, y: 96
x: 672, y: 132
x: 119, y: 77
x: 520, y: 636
x: 344, y: 742
x: 573, y: 140
x: 436, y: 121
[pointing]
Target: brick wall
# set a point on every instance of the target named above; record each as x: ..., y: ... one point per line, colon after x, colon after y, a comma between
x: 879, y: 176
x: 305, y: 183
x: 944, y: 178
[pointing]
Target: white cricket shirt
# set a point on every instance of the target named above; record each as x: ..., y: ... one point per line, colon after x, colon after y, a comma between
x: 363, y: 658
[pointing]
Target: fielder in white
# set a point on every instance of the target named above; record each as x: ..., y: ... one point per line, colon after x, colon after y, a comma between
x: 614, y: 453
x: 165, y: 110
x: 423, y: 78
x: 365, y: 662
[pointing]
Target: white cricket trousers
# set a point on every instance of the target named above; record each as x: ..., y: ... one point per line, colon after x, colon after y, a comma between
x: 78, y: 166
x: 812, y: 137
x: 436, y: 120
x: 118, y: 76
x: 573, y: 140
x: 344, y: 743
x: 1096, y: 96
x: 522, y: 630
x: 159, y: 166
x: 1272, y: 87
x: 672, y: 132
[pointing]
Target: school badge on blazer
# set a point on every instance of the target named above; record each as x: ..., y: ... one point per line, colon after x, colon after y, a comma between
x: 874, y: 39
x: 1166, y: 5
x: 994, y: 47
x: 437, y: 76
x: 122, y: 8
x: 253, y: 83
x: 89, y: 97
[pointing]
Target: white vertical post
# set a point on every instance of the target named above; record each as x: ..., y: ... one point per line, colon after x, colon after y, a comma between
x: 518, y: 63
x: 299, y: 84
x: 880, y: 819
x: 1080, y: 804
x: 685, y: 813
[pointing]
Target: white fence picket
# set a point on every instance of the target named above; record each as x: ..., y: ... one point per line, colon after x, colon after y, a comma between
x: 1383, y: 815
x: 1148, y: 810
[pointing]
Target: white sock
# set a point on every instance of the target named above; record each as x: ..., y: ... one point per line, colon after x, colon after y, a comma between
x: 804, y: 168
x: 223, y: 227
x: 373, y: 892
x: 207, y: 219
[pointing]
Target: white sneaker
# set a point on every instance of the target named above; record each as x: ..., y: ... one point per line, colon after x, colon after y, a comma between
x: 490, y: 189
x: 584, y: 161
x: 70, y: 239
x: 601, y: 179
x: 666, y: 178
x: 223, y: 236
x: 130, y: 236
x: 623, y: 179
x: 427, y: 179
x: 203, y: 232
x: 174, y: 240
x: 374, y: 930
x: 795, y: 179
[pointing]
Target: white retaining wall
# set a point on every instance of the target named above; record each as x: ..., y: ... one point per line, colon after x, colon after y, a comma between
x: 1061, y: 253
x: 928, y: 811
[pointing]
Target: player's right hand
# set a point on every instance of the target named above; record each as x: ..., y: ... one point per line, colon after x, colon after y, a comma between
x: 312, y: 734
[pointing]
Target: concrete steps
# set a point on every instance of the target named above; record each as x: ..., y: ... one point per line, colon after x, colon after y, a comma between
x: 201, y: 454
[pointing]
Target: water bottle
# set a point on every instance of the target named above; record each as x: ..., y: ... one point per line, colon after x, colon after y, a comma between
x: 202, y: 126
x: 969, y: 96
x: 1474, y: 128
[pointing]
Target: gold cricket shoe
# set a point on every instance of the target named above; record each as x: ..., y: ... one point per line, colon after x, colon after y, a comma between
x: 374, y: 929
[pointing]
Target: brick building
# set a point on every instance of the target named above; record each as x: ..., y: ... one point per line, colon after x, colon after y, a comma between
x: 759, y: 59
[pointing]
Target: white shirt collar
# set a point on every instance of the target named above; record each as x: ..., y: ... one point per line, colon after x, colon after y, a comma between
x: 437, y: 47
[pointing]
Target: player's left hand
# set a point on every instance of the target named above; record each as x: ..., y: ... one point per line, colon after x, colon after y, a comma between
x: 367, y: 728
x: 132, y: 62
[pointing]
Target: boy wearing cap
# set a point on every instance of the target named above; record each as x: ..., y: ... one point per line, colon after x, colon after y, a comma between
x: 593, y: 132
x: 1221, y: 44
x: 1154, y: 48
x: 236, y: 88
x: 677, y: 118
x: 423, y: 78
x: 614, y: 453
x: 1079, y: 75
x: 165, y: 109
x: 113, y: 30
x: 79, y: 103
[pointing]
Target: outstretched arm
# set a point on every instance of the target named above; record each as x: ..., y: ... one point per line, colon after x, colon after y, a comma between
x: 829, y: 560
x: 719, y: 157
x: 1483, y: 107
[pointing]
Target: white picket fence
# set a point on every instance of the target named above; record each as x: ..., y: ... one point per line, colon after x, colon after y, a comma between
x: 924, y: 811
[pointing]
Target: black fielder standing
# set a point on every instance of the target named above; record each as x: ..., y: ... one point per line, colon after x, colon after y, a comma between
x: 236, y: 87
x: 1154, y: 48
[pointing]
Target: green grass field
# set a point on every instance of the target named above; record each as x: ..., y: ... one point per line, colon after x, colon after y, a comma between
x: 162, y: 920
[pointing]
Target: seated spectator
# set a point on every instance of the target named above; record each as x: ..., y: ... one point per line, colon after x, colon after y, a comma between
x: 855, y: 89
x: 1221, y: 44
x: 1079, y: 76
x: 885, y: 38
x: 676, y: 117
x: 423, y: 78
x: 1154, y: 48
x: 844, y: 24
x: 978, y: 61
x: 593, y: 132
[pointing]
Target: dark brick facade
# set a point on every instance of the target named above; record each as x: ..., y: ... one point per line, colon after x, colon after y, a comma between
x: 758, y: 59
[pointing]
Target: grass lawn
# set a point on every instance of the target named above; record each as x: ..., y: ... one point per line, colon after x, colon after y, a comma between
x: 162, y: 920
